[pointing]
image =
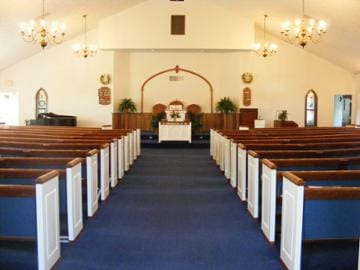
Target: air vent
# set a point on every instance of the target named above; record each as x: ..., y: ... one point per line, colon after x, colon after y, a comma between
x: 177, y: 24
x: 176, y: 78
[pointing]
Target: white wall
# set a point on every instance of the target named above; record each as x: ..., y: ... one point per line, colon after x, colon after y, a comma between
x: 280, y: 82
x: 357, y: 98
x: 147, y: 26
x: 70, y: 81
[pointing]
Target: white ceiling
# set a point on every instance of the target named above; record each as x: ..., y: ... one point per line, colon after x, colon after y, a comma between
x: 340, y: 45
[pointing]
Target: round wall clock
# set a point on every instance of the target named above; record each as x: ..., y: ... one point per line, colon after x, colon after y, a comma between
x: 247, y: 77
x: 105, y: 78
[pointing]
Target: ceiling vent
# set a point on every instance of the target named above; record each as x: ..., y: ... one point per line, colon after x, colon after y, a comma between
x: 177, y: 24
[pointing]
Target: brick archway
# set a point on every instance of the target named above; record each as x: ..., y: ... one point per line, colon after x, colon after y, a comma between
x: 177, y: 69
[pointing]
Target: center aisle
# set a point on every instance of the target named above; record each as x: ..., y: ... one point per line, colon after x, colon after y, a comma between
x: 173, y: 210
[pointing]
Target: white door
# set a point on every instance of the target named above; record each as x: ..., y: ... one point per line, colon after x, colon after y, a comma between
x: 342, y: 110
x: 9, y: 108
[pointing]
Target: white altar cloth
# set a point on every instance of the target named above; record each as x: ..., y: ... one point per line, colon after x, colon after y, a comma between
x: 174, y: 131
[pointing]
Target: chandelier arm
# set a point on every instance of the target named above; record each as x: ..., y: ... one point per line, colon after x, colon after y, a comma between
x: 43, y: 9
x: 303, y: 8
x: 264, y: 28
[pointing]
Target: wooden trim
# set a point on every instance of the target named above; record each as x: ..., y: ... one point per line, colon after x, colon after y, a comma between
x: 294, y: 178
x: 269, y: 164
x: 242, y: 146
x: 253, y: 154
x: 332, y: 193
x: 73, y: 162
x: 311, y: 161
x: 177, y: 69
x: 17, y: 191
x: 328, y: 175
x: 46, y: 177
x: 105, y: 145
x: 92, y: 152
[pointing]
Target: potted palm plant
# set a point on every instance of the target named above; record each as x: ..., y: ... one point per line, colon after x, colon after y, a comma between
x: 225, y: 106
x: 127, y: 105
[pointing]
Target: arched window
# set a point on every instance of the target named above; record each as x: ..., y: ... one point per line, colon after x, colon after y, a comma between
x: 311, y: 103
x: 41, y: 102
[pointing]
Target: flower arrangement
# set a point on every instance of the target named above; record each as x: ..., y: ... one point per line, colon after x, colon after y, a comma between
x: 175, y: 115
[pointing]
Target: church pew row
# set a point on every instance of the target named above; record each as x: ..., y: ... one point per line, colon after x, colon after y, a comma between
x: 118, y: 149
x: 255, y: 170
x: 240, y: 171
x: 103, y: 158
x: 277, y: 133
x: 70, y: 186
x: 134, y: 135
x: 131, y: 138
x: 271, y: 183
x: 226, y: 144
x: 116, y: 169
x: 91, y: 171
x: 25, y: 212
x: 47, y: 136
x: 231, y: 156
x: 271, y: 132
x: 317, y: 212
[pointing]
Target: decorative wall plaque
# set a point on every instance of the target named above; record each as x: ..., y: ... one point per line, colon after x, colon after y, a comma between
x: 247, y: 77
x: 105, y: 79
x: 247, y: 96
x: 104, y: 95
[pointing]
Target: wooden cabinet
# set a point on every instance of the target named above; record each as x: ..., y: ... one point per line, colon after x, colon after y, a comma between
x: 248, y: 116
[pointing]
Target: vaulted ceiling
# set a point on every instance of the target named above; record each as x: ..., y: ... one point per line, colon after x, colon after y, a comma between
x: 340, y: 45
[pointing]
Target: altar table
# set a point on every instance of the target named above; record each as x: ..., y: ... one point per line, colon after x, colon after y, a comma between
x: 175, y: 131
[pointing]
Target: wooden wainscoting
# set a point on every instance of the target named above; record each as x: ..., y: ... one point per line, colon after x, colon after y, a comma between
x: 143, y: 121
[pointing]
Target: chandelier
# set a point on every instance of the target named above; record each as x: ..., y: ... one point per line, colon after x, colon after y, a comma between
x: 265, y: 49
x: 39, y: 33
x: 304, y: 30
x: 85, y: 49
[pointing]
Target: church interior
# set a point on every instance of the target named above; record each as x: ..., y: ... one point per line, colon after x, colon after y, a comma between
x: 179, y: 134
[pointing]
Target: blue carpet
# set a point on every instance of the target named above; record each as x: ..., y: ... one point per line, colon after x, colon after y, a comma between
x: 175, y: 210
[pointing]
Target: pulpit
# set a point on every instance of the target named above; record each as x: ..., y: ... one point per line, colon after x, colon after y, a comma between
x: 175, y: 128
x: 174, y: 131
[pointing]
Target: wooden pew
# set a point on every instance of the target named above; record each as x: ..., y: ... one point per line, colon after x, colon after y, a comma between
x: 242, y: 162
x: 133, y: 134
x: 231, y: 162
x: 315, y: 213
x: 91, y: 168
x: 271, y: 184
x: 34, y: 205
x: 254, y: 168
x: 115, y: 171
x: 102, y: 148
x: 223, y: 144
x: 118, y: 158
x: 70, y: 186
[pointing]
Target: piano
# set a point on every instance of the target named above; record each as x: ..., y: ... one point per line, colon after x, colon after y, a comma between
x: 52, y: 119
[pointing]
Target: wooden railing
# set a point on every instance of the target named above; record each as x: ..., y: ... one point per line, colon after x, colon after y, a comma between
x: 143, y: 121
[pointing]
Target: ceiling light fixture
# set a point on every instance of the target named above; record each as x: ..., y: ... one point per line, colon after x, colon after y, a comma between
x: 265, y: 49
x: 34, y: 33
x: 85, y: 49
x: 304, y: 30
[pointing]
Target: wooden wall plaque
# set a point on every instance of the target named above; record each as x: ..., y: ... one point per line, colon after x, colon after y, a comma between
x: 247, y: 96
x: 104, y: 95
